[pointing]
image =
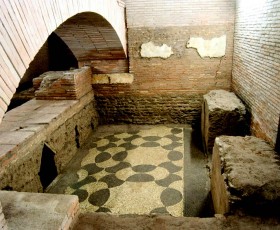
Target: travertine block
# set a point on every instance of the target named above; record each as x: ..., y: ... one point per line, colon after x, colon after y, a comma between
x: 39, y: 210
x: 245, y: 176
x: 222, y: 114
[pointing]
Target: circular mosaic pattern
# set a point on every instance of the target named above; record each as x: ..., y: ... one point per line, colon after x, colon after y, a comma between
x: 137, y: 159
x: 175, y: 156
x: 170, y: 197
x: 99, y: 198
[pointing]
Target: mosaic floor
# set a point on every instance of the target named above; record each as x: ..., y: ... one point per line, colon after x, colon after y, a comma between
x: 139, y: 172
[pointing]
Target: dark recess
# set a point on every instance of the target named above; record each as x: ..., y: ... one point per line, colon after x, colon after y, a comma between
x: 48, y: 170
x: 77, y: 137
x: 60, y: 56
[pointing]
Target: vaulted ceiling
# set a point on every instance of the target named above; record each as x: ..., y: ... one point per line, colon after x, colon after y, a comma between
x: 90, y: 37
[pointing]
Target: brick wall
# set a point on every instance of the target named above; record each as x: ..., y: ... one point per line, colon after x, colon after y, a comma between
x: 149, y: 109
x: 185, y: 70
x: 185, y: 75
x: 106, y: 66
x: 256, y: 64
x: 162, y: 13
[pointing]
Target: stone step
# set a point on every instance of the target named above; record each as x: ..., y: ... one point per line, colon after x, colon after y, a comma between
x: 245, y: 176
x: 24, y: 211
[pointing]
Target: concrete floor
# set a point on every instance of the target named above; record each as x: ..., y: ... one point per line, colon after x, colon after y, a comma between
x: 117, y: 172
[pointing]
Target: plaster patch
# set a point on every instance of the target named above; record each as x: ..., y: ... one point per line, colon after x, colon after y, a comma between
x: 216, y: 47
x: 150, y: 50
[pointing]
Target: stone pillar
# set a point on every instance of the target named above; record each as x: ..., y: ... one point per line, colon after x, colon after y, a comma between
x: 3, y: 224
x: 222, y: 114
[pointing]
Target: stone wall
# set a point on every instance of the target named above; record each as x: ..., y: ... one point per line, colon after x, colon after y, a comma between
x: 62, y: 125
x: 256, y: 64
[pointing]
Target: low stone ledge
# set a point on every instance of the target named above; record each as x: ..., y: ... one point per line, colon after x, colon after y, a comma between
x: 245, y: 176
x: 222, y: 114
x: 117, y: 78
x: 63, y: 125
x: 39, y: 211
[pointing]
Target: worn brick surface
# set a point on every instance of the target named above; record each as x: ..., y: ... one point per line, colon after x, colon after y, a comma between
x: 72, y: 84
x: 256, y: 64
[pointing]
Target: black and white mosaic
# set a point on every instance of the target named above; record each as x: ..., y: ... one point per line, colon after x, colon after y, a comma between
x: 133, y: 173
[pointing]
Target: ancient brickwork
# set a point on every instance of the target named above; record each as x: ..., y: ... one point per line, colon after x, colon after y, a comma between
x: 184, y: 70
x: 63, y: 85
x: 145, y: 13
x: 169, y: 88
x: 106, y: 66
x: 149, y: 109
x: 256, y: 64
x: 25, y: 29
x: 62, y: 125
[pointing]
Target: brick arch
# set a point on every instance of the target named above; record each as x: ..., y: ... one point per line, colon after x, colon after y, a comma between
x: 26, y: 25
x: 90, y: 36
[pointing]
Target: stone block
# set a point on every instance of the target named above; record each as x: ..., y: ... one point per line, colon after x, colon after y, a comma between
x: 116, y: 78
x: 245, y: 176
x: 222, y: 114
x: 39, y: 211
x: 68, y: 85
